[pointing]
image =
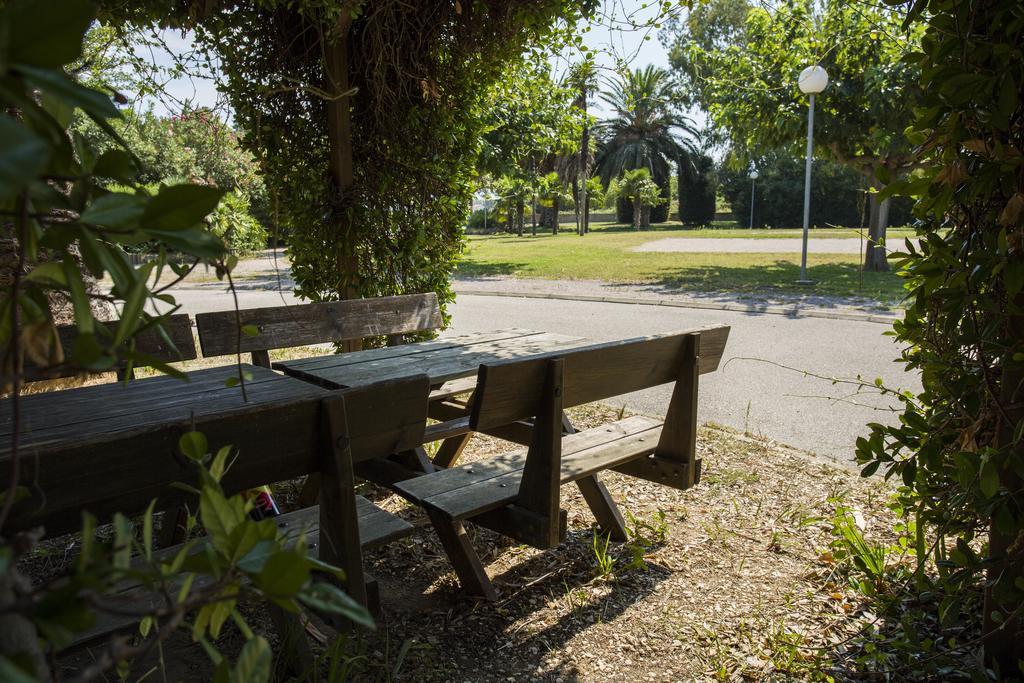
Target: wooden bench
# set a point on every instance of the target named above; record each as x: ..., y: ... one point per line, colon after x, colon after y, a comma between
x: 518, y: 494
x: 172, y: 343
x: 286, y: 429
x: 279, y: 327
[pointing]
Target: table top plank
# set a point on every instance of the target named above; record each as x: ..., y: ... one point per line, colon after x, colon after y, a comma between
x: 108, y: 409
x: 389, y: 353
x: 459, y: 357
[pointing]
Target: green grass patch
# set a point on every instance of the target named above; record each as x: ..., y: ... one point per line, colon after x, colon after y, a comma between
x: 605, y: 255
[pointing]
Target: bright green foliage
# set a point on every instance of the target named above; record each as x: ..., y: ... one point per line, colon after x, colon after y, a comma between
x: 641, y: 191
x: 745, y: 76
x: 530, y: 124
x: 958, y: 447
x: 196, y: 146
x: 838, y: 194
x: 744, y: 73
x: 646, y: 131
x: 421, y: 70
x: 233, y: 222
x: 60, y: 233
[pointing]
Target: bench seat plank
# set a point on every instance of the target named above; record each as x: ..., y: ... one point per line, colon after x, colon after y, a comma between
x: 468, y: 490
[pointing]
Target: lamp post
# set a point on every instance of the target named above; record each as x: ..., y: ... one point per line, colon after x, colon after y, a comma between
x: 753, y: 177
x: 812, y: 81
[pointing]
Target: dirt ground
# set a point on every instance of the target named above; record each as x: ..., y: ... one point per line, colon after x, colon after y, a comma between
x: 730, y: 580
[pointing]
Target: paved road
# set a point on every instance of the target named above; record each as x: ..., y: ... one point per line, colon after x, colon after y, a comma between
x: 749, y: 392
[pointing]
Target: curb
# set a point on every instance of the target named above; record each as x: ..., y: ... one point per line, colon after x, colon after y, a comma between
x: 788, y: 311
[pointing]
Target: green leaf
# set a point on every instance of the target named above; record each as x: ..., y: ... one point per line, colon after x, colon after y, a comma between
x: 180, y: 207
x: 257, y: 557
x: 283, y: 574
x: 115, y: 210
x: 46, y: 34
x: 79, y: 299
x: 57, y: 84
x: 219, y: 465
x: 254, y: 662
x: 196, y: 241
x: 250, y: 330
x: 117, y: 164
x: 220, y: 516
x: 49, y: 272
x: 989, y: 479
x: 327, y: 597
x: 23, y: 156
x: 193, y: 445
x: 133, y: 304
x: 12, y: 673
x: 147, y: 530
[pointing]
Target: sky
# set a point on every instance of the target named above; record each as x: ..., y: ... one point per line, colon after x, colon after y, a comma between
x: 611, y: 36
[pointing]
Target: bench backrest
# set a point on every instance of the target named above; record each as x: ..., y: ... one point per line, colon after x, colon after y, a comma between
x: 151, y: 342
x: 281, y: 327
x: 277, y: 437
x: 511, y: 391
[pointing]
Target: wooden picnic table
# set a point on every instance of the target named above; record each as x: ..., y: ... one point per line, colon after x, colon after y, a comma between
x: 441, y: 360
x: 115, y: 445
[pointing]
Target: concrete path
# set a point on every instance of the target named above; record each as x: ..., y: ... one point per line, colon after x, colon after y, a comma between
x: 769, y: 245
x: 761, y: 386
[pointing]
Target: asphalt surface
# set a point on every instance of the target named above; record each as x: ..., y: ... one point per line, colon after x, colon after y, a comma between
x: 761, y: 386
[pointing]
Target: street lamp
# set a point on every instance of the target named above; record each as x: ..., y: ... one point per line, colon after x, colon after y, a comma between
x: 812, y: 81
x: 753, y: 177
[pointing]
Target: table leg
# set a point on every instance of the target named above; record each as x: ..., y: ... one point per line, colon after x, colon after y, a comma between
x: 600, y: 502
x: 450, y: 450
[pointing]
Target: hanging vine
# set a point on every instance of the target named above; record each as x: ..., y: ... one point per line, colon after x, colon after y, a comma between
x: 419, y: 71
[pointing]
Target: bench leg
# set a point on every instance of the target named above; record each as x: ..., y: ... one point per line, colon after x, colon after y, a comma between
x: 601, y: 504
x: 605, y: 511
x: 450, y: 450
x: 310, y: 492
x: 463, y: 557
x: 296, y: 654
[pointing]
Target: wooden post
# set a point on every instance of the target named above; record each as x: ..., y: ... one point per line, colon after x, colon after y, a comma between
x: 339, y: 132
x: 542, y: 476
x: 679, y: 435
x: 339, y: 521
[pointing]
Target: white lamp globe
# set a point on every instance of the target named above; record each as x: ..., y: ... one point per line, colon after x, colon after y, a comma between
x: 812, y: 80
x: 753, y: 175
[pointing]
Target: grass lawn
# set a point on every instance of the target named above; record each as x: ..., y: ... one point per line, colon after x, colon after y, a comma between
x: 605, y: 255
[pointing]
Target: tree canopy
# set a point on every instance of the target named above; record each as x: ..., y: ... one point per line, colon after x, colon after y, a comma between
x: 742, y: 64
x: 365, y: 118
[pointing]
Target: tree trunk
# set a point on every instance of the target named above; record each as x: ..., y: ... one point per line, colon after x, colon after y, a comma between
x: 637, y: 211
x: 586, y: 211
x: 874, y: 252
x: 520, y: 210
x: 645, y: 216
x: 339, y: 131
x: 533, y: 215
x: 584, y: 173
x: 576, y: 204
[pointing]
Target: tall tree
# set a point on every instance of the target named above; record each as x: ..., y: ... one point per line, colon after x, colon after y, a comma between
x: 745, y: 76
x: 646, y: 130
x: 365, y: 118
x: 531, y: 125
x: 583, y: 78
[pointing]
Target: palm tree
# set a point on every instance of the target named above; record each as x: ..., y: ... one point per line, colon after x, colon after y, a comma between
x: 647, y: 131
x: 583, y: 78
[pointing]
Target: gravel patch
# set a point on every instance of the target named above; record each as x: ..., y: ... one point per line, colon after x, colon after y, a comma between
x: 787, y: 245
